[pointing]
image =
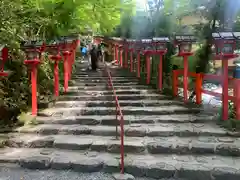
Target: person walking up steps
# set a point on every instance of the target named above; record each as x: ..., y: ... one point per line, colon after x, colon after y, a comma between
x: 94, y: 57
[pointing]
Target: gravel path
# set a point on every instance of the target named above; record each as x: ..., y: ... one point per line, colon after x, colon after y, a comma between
x: 10, y: 172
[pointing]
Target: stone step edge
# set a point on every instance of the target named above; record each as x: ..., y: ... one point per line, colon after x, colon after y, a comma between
x: 127, y: 110
x: 130, y: 108
x: 135, y: 130
x: 128, y: 119
x: 123, y: 101
x: 109, y: 91
x: 101, y: 76
x: 103, y: 79
x: 223, y: 146
x: 148, y: 166
x: 139, y: 86
x: 124, y: 95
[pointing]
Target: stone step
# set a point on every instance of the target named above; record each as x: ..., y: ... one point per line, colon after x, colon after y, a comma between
x: 101, y: 97
x: 75, y: 77
x: 225, y: 146
x: 102, y: 77
x: 126, y: 110
x: 104, y: 80
x: 191, y: 167
x: 110, y: 92
x: 76, y: 83
x: 104, y: 87
x: 133, y: 130
x: 128, y: 119
x: 136, y: 103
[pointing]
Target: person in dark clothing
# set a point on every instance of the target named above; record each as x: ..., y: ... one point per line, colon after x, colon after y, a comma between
x: 94, y: 58
x: 99, y: 52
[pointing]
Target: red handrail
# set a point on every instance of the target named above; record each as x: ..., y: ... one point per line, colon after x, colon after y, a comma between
x: 118, y: 113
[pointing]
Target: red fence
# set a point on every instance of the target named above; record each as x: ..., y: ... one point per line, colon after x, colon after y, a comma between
x: 118, y: 114
x: 199, y: 77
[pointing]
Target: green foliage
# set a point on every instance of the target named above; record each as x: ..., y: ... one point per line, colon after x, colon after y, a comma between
x: 46, y: 19
x: 232, y: 123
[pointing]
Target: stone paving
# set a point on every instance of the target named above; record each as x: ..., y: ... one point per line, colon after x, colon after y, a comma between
x: 164, y: 138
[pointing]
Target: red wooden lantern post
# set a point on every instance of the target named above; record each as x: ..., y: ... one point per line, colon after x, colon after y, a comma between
x: 225, y: 44
x: 184, y: 43
x: 138, y: 49
x: 114, y: 42
x: 117, y: 51
x: 33, y: 54
x: 54, y: 51
x: 69, y: 48
x: 125, y: 63
x: 237, y: 81
x: 131, y: 43
x: 72, y: 57
x: 121, y: 47
x: 147, y: 47
x: 76, y: 43
x: 3, y: 59
x: 66, y: 54
x: 160, y: 43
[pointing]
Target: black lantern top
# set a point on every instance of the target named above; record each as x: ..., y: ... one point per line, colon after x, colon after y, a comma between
x: 160, y: 42
x: 160, y: 39
x: 69, y: 39
x: 147, y: 44
x: 185, y: 38
x: 32, y: 49
x: 236, y: 35
x: 184, y: 43
x: 131, y: 43
x: 227, y: 35
x: 116, y: 40
x: 53, y: 47
x: 138, y: 45
x: 225, y: 42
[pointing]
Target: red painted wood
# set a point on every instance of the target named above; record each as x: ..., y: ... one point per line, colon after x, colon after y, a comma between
x: 121, y: 58
x: 56, y: 59
x: 66, y: 69
x: 56, y: 79
x: 125, y: 65
x: 225, y: 90
x: 33, y: 66
x: 198, y: 88
x: 148, y: 68
x: 237, y: 97
x: 138, y: 64
x: 175, y: 82
x: 3, y: 74
x: 34, y: 89
x: 131, y: 61
x: 185, y: 78
x: 160, y: 73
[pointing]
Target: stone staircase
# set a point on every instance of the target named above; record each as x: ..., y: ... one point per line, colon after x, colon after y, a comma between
x: 164, y: 138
